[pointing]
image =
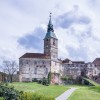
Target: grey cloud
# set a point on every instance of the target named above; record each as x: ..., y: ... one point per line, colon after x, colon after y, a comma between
x: 86, y: 33
x: 33, y: 40
x: 71, y: 17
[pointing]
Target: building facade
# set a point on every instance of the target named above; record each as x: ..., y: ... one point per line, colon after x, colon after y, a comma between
x: 38, y: 65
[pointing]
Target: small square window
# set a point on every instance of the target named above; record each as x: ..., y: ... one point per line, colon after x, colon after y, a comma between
x: 35, y: 62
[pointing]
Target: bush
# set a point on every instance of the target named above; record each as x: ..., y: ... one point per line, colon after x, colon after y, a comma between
x: 49, y: 77
x: 34, y: 96
x: 65, y: 78
x: 34, y: 80
x: 56, y: 83
x: 9, y: 93
x: 45, y: 81
x: 39, y: 81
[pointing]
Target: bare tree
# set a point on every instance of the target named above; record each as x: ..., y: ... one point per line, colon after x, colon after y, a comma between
x: 10, y: 68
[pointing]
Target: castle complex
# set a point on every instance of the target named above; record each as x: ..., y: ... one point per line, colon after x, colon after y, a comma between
x: 38, y: 65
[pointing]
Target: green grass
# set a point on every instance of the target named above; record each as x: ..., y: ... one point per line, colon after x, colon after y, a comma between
x: 28, y: 87
x: 95, y: 88
x: 52, y: 90
x: 86, y: 93
x: 82, y: 93
x: 1, y: 98
x: 92, y: 82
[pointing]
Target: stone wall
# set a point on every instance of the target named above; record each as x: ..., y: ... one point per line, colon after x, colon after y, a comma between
x: 31, y: 68
x: 73, y: 70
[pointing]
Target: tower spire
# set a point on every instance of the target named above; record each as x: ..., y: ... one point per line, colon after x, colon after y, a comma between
x: 50, y: 26
x: 50, y: 30
x: 50, y: 22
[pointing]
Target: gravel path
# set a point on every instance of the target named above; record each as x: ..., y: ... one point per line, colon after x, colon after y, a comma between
x: 66, y: 94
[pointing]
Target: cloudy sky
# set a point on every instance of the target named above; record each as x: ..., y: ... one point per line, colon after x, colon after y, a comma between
x: 23, y: 25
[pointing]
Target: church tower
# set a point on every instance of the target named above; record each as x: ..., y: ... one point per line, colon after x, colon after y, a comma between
x: 51, y: 42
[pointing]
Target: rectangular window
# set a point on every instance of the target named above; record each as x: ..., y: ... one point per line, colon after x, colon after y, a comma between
x: 46, y: 71
x: 35, y: 62
x: 35, y: 70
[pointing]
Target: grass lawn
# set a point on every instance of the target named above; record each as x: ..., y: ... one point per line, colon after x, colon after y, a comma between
x: 52, y: 90
x: 85, y: 93
x: 95, y: 88
x: 82, y: 93
x: 1, y: 98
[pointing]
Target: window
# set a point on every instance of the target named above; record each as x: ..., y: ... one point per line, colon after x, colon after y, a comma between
x: 46, y: 71
x: 43, y: 62
x: 35, y: 62
x: 37, y: 66
x: 35, y: 70
x: 29, y: 68
x: 27, y: 62
x: 55, y: 64
x: 53, y: 42
x: 95, y: 72
x: 47, y: 40
x: 44, y: 66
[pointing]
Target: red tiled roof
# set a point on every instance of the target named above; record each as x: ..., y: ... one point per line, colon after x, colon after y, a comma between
x: 35, y: 55
x: 97, y: 61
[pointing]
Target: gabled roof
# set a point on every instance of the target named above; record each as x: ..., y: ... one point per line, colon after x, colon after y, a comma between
x: 97, y: 61
x: 35, y: 55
